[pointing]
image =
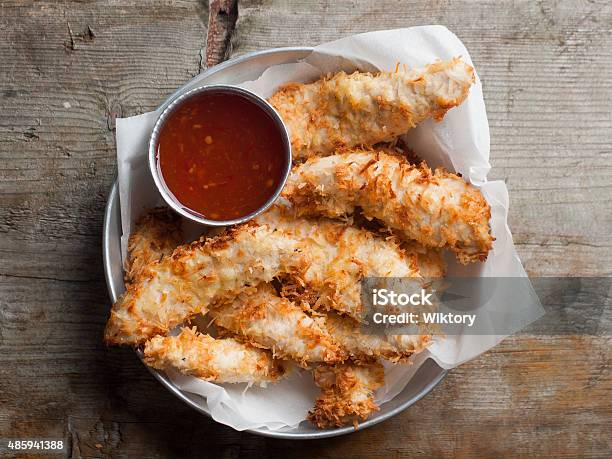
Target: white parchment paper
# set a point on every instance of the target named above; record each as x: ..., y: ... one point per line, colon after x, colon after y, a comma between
x: 460, y: 143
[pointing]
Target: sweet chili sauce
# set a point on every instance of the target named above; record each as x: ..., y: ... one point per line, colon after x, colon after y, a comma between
x: 221, y: 155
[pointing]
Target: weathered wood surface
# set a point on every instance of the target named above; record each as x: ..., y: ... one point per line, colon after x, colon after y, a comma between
x: 68, y: 69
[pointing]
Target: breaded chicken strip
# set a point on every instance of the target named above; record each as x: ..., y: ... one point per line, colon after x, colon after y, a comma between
x: 430, y: 264
x: 347, y: 394
x: 363, y: 346
x: 339, y: 256
x: 171, y: 291
x: 216, y: 360
x: 269, y: 321
x: 330, y: 256
x: 156, y: 234
x: 437, y: 209
x: 365, y: 109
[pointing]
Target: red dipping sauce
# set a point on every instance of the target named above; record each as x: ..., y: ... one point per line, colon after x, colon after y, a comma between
x: 221, y: 155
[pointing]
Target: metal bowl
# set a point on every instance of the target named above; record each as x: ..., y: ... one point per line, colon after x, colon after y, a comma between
x: 245, y: 68
x: 174, y: 104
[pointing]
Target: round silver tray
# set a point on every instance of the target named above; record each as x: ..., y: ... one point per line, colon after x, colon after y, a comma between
x: 250, y: 67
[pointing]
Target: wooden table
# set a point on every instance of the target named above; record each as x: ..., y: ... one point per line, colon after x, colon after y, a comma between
x: 68, y: 69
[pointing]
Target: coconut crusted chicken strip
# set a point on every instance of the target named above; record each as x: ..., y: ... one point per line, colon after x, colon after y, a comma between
x: 347, y: 394
x: 364, y: 346
x: 269, y: 321
x: 216, y: 360
x: 196, y: 275
x: 332, y: 256
x: 157, y: 233
x: 437, y: 209
x: 338, y: 256
x: 430, y: 264
x: 365, y: 109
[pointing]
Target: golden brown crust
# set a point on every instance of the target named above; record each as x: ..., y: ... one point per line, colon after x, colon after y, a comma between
x: 266, y: 320
x: 169, y: 292
x: 329, y: 256
x: 365, y: 109
x: 337, y: 257
x: 216, y: 360
x: 347, y: 394
x: 437, y: 209
x: 366, y: 346
x: 156, y: 234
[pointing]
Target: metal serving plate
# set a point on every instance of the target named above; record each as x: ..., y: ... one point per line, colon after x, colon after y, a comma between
x: 250, y: 67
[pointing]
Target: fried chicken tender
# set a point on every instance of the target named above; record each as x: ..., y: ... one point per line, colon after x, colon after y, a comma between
x: 216, y: 360
x: 437, y: 209
x: 339, y: 256
x: 330, y: 256
x: 347, y: 394
x: 365, y: 109
x: 364, y: 347
x: 157, y: 233
x: 176, y: 288
x: 269, y: 321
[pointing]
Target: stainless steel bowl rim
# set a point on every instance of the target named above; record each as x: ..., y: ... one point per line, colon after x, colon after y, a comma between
x: 174, y: 103
x: 114, y: 293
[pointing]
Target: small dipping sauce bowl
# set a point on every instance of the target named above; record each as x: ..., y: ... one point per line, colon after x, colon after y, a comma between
x: 219, y: 155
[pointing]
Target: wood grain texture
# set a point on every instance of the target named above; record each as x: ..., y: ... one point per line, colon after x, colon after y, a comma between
x: 68, y: 69
x: 221, y: 25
